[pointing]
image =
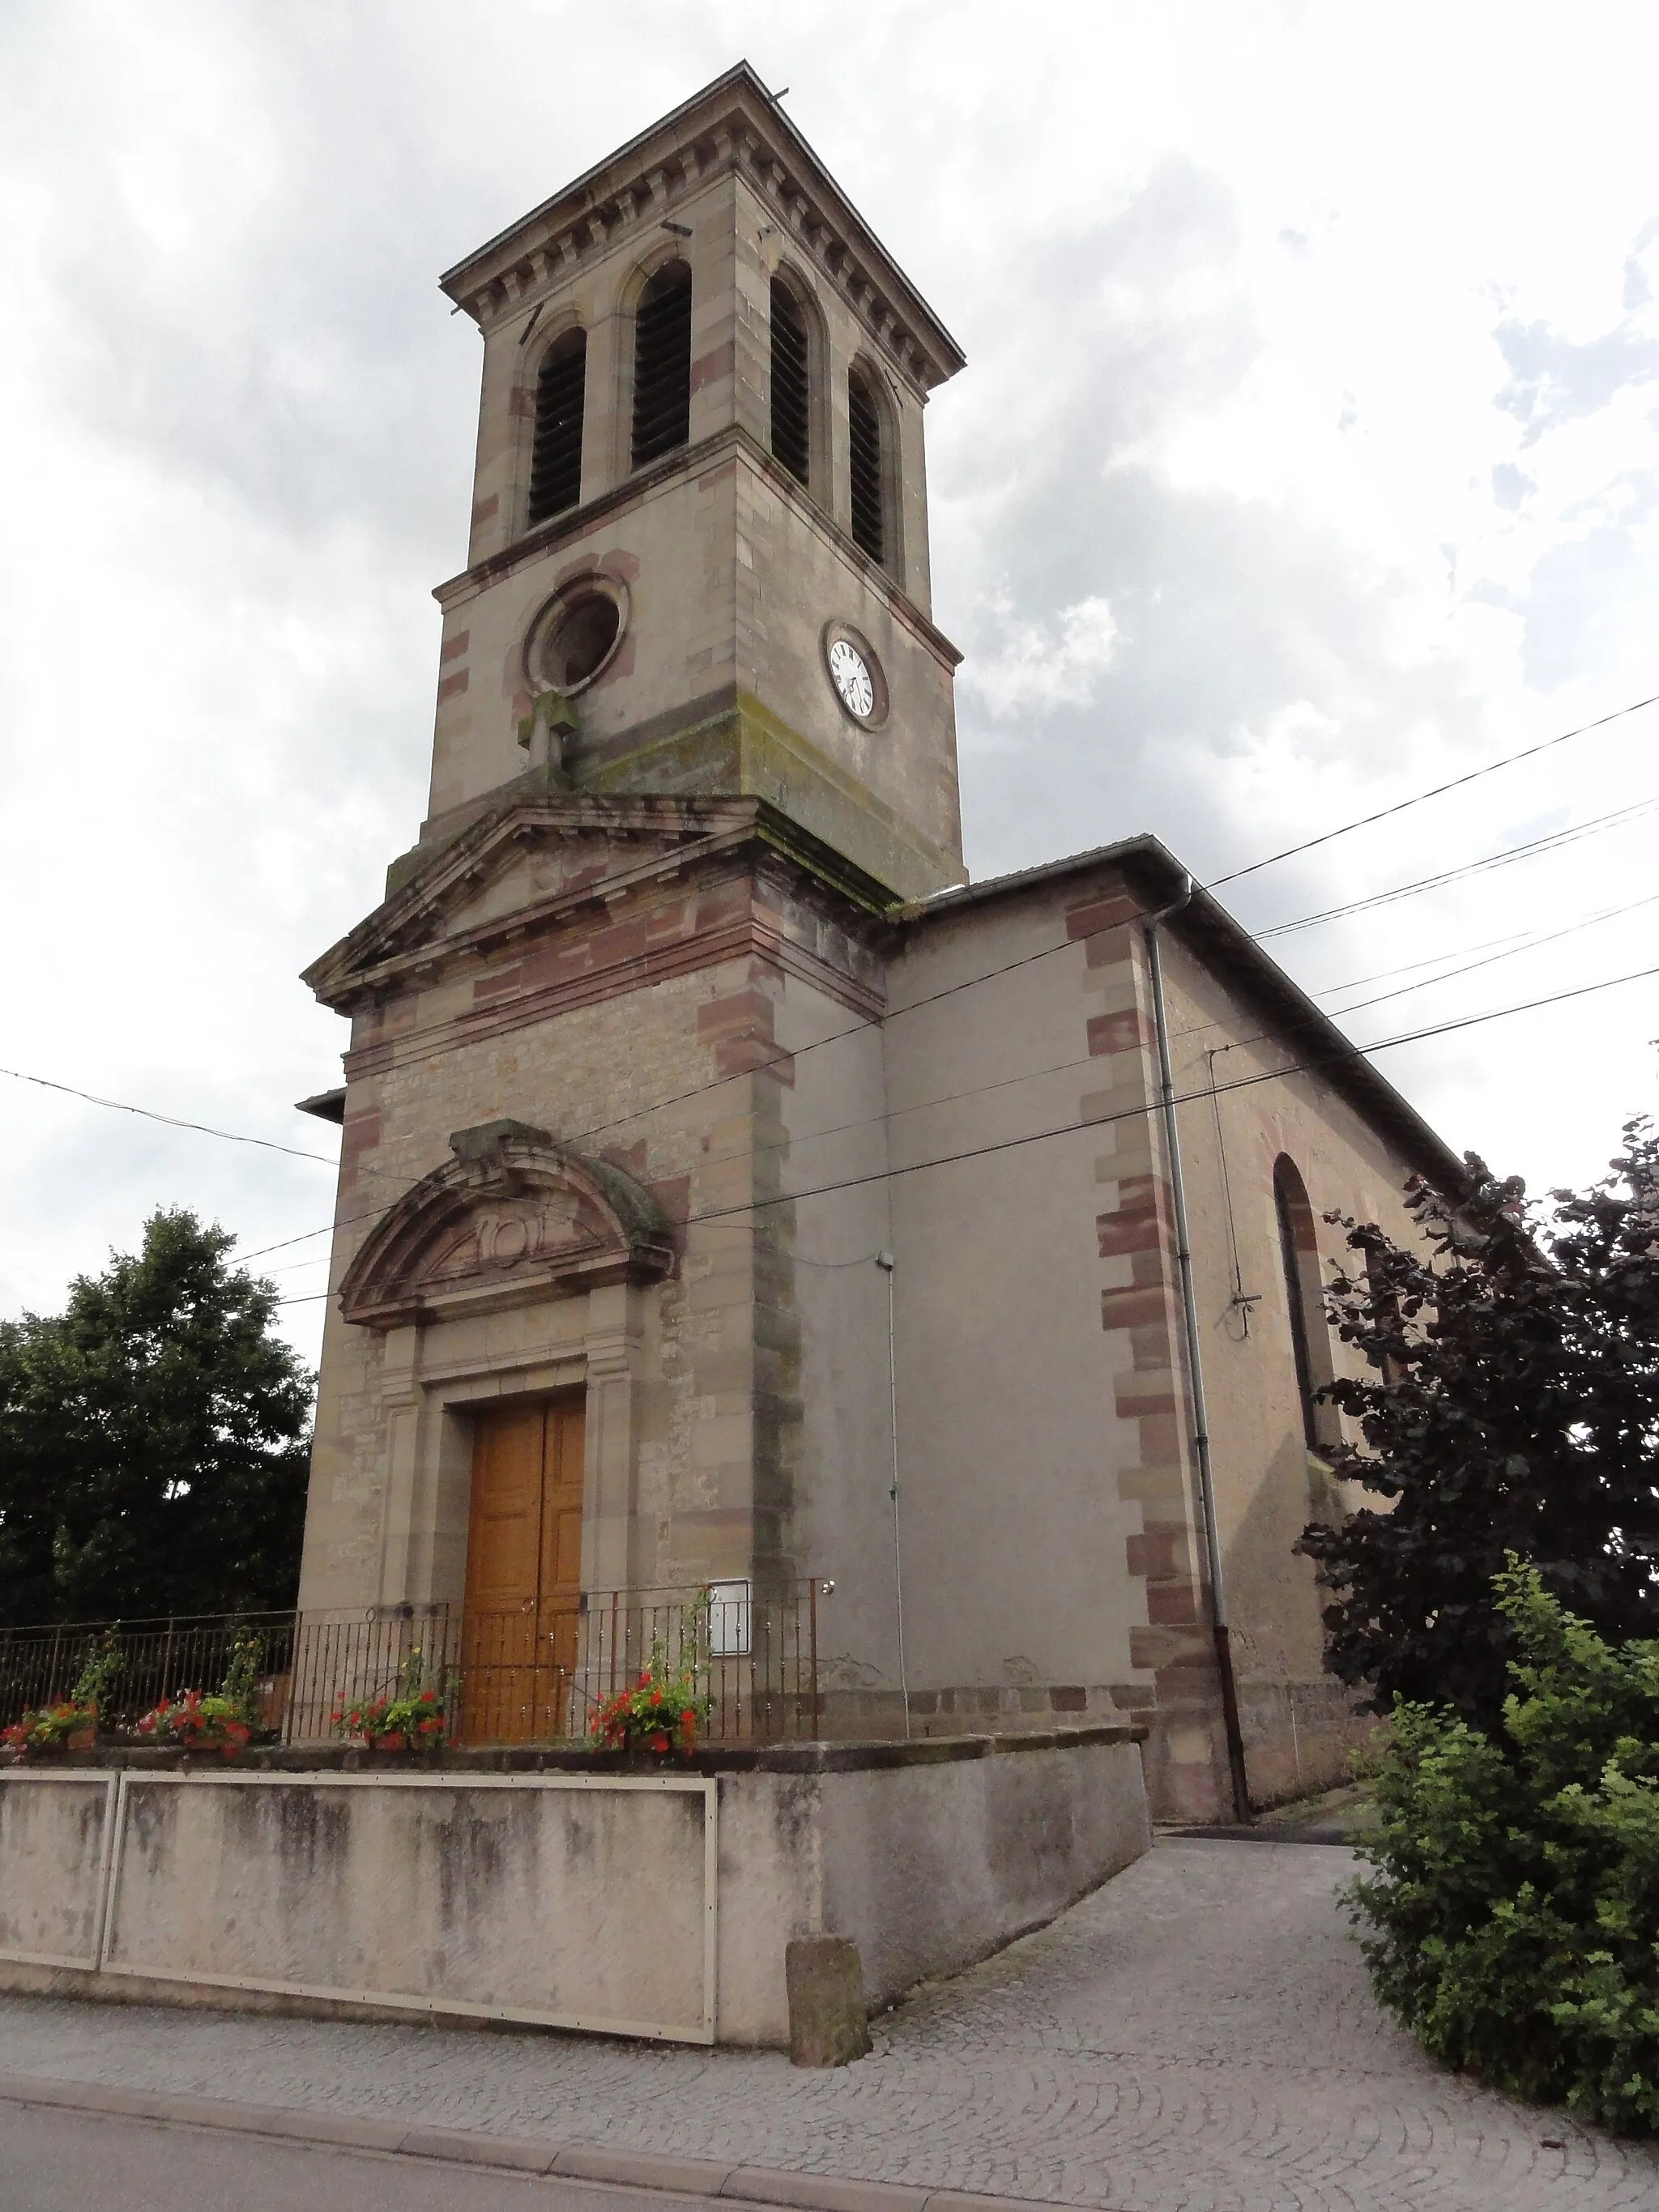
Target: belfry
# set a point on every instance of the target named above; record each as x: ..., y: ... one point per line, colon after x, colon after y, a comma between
x: 732, y: 1196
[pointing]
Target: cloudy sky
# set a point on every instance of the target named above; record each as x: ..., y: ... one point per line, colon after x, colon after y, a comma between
x: 1308, y: 455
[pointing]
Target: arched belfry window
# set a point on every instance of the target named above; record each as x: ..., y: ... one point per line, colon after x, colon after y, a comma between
x: 865, y: 466
x: 791, y: 389
x: 662, y: 364
x: 1304, y: 1297
x: 555, y: 467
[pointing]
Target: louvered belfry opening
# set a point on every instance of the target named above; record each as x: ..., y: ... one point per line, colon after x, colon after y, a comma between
x: 864, y: 426
x: 555, y: 467
x: 791, y: 385
x: 662, y: 364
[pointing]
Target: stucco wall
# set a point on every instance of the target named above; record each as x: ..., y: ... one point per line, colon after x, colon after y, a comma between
x: 643, y: 1905
x: 1268, y: 1485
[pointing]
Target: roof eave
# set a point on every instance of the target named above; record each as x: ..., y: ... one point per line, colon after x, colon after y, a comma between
x: 468, y: 276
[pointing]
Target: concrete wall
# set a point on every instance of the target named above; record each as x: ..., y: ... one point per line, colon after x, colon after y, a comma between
x: 628, y: 1904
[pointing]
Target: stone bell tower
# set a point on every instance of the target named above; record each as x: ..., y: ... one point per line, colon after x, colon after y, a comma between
x: 694, y: 748
x: 699, y: 471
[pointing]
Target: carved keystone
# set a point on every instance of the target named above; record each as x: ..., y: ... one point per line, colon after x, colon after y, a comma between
x: 481, y: 1146
x: 827, y: 2021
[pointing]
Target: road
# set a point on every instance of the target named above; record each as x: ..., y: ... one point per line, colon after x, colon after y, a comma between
x: 61, y: 2161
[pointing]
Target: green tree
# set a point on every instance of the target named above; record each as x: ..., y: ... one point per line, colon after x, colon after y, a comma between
x: 152, y: 1441
x: 1511, y: 1406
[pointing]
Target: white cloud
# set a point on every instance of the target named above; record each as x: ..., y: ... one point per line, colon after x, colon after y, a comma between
x: 1033, y: 667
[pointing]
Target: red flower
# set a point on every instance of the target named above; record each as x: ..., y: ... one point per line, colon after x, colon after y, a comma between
x: 659, y: 1742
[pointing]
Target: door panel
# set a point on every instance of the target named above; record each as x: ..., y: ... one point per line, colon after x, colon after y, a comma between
x: 521, y: 1628
x: 561, y: 1532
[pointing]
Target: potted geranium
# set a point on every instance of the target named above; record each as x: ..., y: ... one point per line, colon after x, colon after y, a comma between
x: 661, y: 1712
x: 196, y: 1722
x: 71, y: 1724
x: 412, y: 1717
x: 399, y: 1723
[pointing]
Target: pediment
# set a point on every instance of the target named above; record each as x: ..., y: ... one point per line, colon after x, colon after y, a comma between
x: 534, y: 870
x: 513, y: 1216
x: 525, y: 860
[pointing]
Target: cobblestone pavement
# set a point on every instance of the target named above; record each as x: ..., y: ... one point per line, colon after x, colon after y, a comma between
x: 1196, y: 2036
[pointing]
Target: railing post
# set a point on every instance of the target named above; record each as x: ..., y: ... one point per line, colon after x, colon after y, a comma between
x: 813, y: 1650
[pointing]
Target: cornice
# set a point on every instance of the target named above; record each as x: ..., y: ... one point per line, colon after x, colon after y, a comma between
x: 403, y: 942
x: 733, y: 125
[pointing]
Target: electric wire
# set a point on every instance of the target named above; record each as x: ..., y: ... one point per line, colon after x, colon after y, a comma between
x: 1528, y: 942
x: 1550, y: 937
x: 1061, y: 1068
x: 171, y: 1121
x: 1047, y: 951
x: 968, y: 983
x: 1529, y: 850
x: 1457, y: 783
x: 1074, y: 1128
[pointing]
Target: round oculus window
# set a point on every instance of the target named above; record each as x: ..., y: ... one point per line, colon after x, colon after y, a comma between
x: 855, y: 675
x: 575, y: 634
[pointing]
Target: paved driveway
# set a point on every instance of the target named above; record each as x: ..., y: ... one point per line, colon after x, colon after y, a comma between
x: 1197, y: 2037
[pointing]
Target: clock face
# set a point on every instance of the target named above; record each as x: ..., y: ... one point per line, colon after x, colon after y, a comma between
x: 850, y: 674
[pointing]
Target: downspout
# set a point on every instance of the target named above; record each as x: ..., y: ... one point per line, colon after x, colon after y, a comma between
x: 1223, y: 1656
x: 885, y: 1261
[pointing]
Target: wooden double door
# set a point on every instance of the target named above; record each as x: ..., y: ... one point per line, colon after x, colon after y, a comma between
x: 521, y: 1627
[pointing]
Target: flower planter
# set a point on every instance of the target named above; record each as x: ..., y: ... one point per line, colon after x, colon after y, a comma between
x: 193, y: 1722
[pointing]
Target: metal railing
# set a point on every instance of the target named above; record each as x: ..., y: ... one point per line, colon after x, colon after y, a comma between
x: 160, y: 1658
x: 537, y: 1674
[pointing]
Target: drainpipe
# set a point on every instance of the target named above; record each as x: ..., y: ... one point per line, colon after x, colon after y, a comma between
x: 885, y: 1261
x: 1223, y: 1656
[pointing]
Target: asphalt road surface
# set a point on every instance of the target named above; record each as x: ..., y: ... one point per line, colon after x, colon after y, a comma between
x: 65, y: 2162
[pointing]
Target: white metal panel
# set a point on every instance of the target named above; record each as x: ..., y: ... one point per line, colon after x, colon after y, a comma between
x: 706, y: 1787
x: 24, y: 1776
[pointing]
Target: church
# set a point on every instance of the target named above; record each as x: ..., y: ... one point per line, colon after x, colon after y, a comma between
x: 733, y: 1195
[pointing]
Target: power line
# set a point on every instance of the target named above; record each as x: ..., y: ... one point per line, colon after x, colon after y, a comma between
x: 915, y: 1006
x: 171, y: 1121
x: 1531, y: 850
x: 1238, y: 1083
x: 1516, y: 937
x: 835, y: 1037
x: 1046, y: 951
x: 1382, y: 814
x: 1135, y: 1113
x: 1551, y: 937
